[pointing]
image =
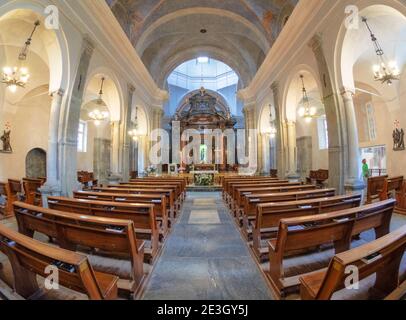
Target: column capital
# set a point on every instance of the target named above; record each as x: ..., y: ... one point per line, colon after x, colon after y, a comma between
x: 345, y: 91
x: 316, y: 42
x: 131, y: 88
x: 60, y: 92
x: 88, y: 45
x: 275, y: 86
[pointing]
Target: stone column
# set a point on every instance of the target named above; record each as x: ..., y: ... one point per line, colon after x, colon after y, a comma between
x: 115, y: 151
x: 70, y: 123
x: 278, y: 141
x: 292, y: 150
x: 266, y: 151
x: 353, y: 180
x: 128, y: 153
x: 252, y: 146
x: 53, y: 186
x: 157, y: 124
x: 335, y: 119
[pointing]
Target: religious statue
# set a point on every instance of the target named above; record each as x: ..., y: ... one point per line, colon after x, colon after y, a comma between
x: 398, y: 139
x: 5, y: 138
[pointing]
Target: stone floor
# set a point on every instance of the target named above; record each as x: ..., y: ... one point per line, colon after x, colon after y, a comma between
x: 206, y: 258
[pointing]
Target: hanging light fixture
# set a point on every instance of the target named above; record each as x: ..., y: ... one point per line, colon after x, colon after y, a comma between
x: 272, y: 130
x: 134, y: 132
x: 383, y: 71
x: 17, y: 77
x: 306, y: 111
x: 100, y: 112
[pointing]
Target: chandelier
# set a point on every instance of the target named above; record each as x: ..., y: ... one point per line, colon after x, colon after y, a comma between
x: 134, y: 132
x: 271, y: 131
x: 15, y: 77
x: 306, y: 111
x: 383, y: 71
x: 100, y: 113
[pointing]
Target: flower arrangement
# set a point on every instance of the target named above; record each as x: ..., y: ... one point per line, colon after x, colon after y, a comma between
x: 151, y: 170
x: 204, y: 179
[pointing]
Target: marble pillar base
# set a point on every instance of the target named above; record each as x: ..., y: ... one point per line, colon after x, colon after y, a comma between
x: 354, y: 186
x: 114, y: 178
x: 50, y: 190
x: 293, y: 177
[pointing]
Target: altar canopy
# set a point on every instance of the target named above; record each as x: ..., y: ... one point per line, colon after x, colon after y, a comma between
x: 206, y: 111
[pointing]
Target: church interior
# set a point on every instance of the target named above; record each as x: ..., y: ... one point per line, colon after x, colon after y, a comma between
x: 202, y: 150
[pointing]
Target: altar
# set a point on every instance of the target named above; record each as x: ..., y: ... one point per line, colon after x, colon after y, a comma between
x: 204, y: 178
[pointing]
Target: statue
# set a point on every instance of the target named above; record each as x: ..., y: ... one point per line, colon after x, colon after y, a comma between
x: 5, y: 138
x: 398, y: 139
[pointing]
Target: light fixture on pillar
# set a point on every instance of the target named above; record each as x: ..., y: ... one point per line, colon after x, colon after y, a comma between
x: 17, y: 76
x: 271, y: 130
x: 306, y: 111
x: 100, y: 111
x: 134, y: 132
x: 384, y: 71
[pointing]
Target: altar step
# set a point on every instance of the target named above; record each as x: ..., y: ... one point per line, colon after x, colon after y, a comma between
x: 193, y: 188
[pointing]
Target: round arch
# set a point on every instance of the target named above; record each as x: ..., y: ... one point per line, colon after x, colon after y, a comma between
x: 289, y: 104
x: 57, y: 51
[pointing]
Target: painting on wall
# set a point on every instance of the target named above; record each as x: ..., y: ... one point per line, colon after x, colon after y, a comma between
x: 398, y: 137
x: 6, y: 139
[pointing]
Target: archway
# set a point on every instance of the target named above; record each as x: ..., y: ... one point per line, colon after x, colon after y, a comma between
x: 36, y: 163
x: 377, y: 106
x: 98, y: 140
x: 28, y: 109
x: 307, y: 127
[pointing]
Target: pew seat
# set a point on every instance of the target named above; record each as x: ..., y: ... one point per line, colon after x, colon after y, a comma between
x: 381, y: 258
x: 28, y: 258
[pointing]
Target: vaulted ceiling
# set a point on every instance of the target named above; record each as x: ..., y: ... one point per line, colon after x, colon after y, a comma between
x: 166, y: 33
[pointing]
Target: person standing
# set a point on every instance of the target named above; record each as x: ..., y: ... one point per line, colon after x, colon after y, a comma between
x: 365, y: 170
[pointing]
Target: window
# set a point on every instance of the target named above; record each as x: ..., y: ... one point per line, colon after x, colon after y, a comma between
x: 323, y: 132
x: 371, y: 121
x: 376, y: 159
x: 82, y: 137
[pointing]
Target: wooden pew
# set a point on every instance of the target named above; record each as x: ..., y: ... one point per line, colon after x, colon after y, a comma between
x: 229, y: 181
x: 391, y: 186
x: 269, y: 215
x: 375, y: 186
x: 182, y: 181
x: 159, y: 201
x: 7, y: 209
x: 318, y: 176
x: 304, y: 233
x: 31, y: 190
x: 142, y: 215
x: 87, y: 179
x: 251, y: 201
x: 401, y: 200
x: 381, y: 257
x: 399, y: 293
x: 176, y: 186
x: 240, y: 192
x: 29, y: 258
x: 167, y: 192
x: 114, y: 239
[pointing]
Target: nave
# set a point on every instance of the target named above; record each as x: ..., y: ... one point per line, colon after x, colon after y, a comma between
x: 205, y: 257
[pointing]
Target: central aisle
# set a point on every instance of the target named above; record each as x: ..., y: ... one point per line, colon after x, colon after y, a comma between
x: 205, y: 258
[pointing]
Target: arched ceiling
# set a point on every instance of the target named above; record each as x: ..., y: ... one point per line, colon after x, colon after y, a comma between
x: 167, y: 33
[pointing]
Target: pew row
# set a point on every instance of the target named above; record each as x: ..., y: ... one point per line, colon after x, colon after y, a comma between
x: 142, y: 216
x: 381, y: 257
x: 110, y: 244
x: 297, y: 235
x: 269, y: 215
x: 29, y: 258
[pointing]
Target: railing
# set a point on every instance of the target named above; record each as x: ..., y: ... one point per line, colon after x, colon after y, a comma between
x: 377, y: 172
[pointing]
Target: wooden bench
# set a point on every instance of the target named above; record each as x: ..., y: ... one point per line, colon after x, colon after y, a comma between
x: 29, y: 258
x: 87, y: 179
x: 182, y: 181
x: 266, y: 223
x: 251, y: 201
x: 228, y: 182
x: 381, y: 257
x: 241, y: 192
x: 374, y: 188
x: 6, y: 209
x: 109, y: 243
x: 399, y: 293
x: 319, y: 177
x: 167, y: 192
x: 142, y: 215
x: 401, y: 200
x: 305, y: 233
x: 31, y: 190
x: 390, y: 187
x: 159, y: 201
